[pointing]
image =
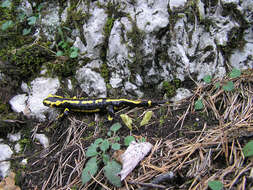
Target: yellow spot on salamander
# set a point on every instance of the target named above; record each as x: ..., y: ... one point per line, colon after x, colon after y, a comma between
x: 98, y: 101
x: 124, y: 100
x: 110, y: 118
x: 86, y: 102
x: 86, y: 111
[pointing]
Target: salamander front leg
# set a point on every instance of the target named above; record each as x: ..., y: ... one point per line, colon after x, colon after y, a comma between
x: 110, y: 111
x: 65, y: 113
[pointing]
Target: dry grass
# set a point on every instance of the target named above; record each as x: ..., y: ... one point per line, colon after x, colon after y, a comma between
x: 213, y: 153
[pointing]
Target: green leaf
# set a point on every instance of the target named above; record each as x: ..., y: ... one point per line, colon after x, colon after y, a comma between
x: 198, y: 105
x: 127, y: 121
x: 143, y: 139
x: 73, y: 54
x: 115, y: 146
x: 229, y: 86
x: 40, y: 7
x: 248, y: 149
x: 235, y: 73
x: 6, y: 25
x: 111, y: 171
x: 146, y: 118
x: 215, y: 185
x: 26, y: 31
x: 92, y: 150
x: 217, y: 85
x: 117, y: 139
x: 104, y: 146
x: 98, y: 141
x: 109, y: 133
x: 207, y: 79
x: 106, y: 158
x: 115, y: 127
x: 128, y: 140
x: 91, y: 168
x: 59, y: 53
x: 32, y: 20
x: 6, y: 4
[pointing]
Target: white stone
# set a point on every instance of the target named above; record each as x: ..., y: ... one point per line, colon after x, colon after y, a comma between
x: 5, y: 153
x: 70, y: 86
x: 24, y: 161
x: 116, y: 81
x: 14, y: 137
x: 79, y: 44
x: 17, y: 148
x: 94, y: 32
x: 243, y: 59
x: 152, y: 15
x: 40, y: 89
x: 181, y: 93
x: 177, y: 3
x: 42, y: 138
x: 50, y: 21
x: 18, y: 103
x: 94, y: 64
x: 91, y: 82
x: 25, y: 87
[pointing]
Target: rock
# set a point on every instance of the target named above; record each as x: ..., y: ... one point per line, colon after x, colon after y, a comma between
x: 50, y: 21
x: 18, y: 103
x: 181, y: 93
x: 242, y: 59
x: 132, y: 89
x: 5, y: 154
x: 177, y: 3
x: 91, y: 82
x: 151, y: 15
x: 42, y: 139
x: 14, y: 137
x: 40, y: 89
x: 93, y: 32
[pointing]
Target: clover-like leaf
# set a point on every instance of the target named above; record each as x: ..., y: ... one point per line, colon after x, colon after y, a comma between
x: 235, y: 73
x: 115, y: 127
x: 128, y: 140
x: 92, y: 150
x: 207, y: 79
x: 104, y: 146
x: 198, y: 105
x: 115, y: 146
x: 90, y: 169
x: 215, y: 185
x: 248, y: 149
x: 229, y: 86
x: 111, y: 173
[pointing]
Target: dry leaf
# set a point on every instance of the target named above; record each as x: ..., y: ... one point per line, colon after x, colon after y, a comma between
x: 8, y: 183
x: 132, y: 156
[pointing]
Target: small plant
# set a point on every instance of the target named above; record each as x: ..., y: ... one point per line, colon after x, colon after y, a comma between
x: 199, y: 105
x: 97, y: 153
x: 248, y: 149
x: 227, y: 86
x: 22, y: 17
x: 64, y: 48
x: 215, y: 185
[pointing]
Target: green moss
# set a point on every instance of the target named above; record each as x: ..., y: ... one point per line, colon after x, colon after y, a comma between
x: 168, y: 88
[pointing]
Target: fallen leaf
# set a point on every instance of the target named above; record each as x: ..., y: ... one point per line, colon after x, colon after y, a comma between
x: 132, y: 156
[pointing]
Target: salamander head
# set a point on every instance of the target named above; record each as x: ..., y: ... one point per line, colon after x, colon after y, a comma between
x: 52, y: 100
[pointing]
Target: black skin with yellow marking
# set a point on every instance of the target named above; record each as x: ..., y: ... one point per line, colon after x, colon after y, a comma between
x: 95, y: 105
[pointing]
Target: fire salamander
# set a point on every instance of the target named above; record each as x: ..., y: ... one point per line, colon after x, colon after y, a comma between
x: 95, y: 105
